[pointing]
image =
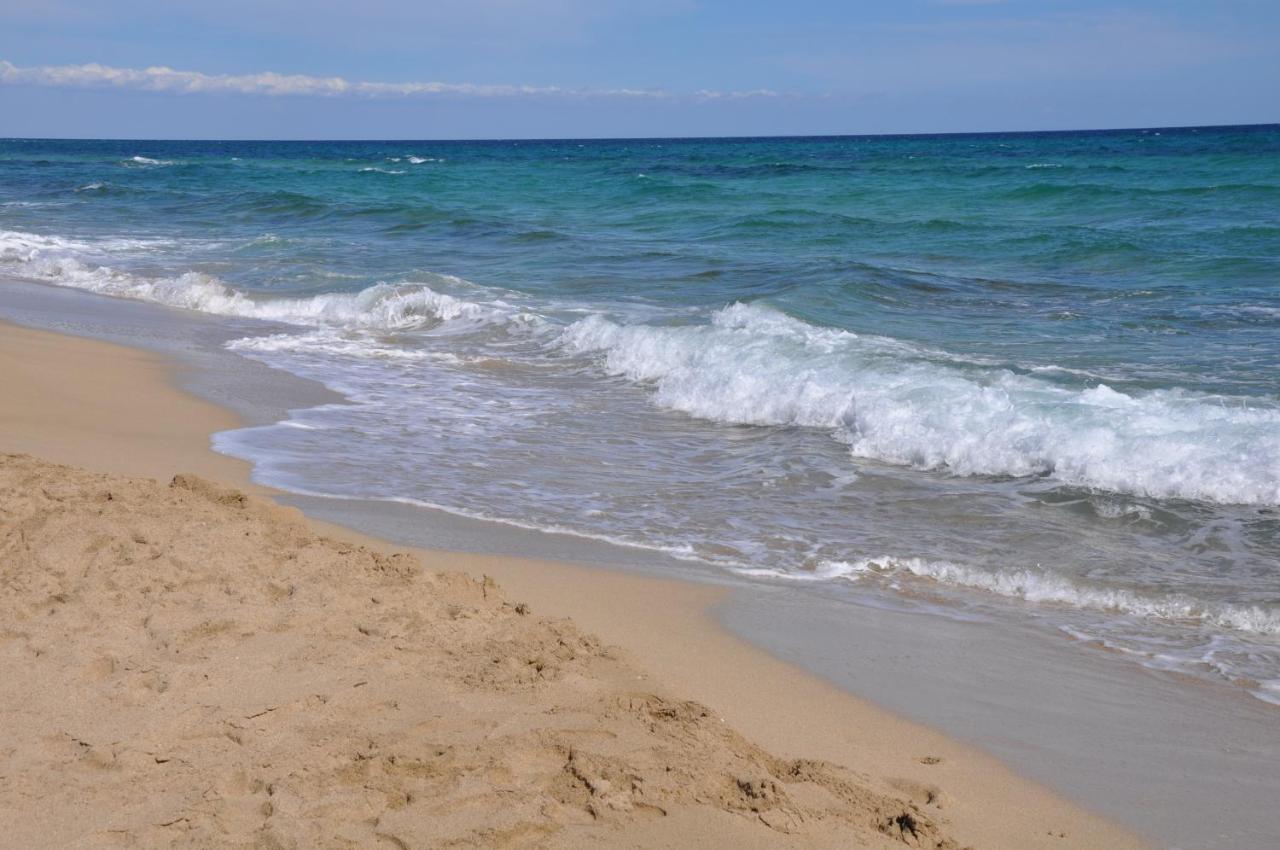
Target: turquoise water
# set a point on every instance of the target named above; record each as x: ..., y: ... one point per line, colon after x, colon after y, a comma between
x: 1006, y: 375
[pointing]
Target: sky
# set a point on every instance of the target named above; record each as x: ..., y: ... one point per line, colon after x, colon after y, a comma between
x: 417, y: 69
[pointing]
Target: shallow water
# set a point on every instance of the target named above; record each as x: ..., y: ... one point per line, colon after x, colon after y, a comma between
x: 1023, y: 376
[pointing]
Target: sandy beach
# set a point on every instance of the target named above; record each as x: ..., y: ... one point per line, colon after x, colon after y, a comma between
x: 613, y: 425
x: 191, y: 664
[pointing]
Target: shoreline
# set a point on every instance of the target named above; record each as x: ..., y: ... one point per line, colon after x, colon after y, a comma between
x: 664, y: 623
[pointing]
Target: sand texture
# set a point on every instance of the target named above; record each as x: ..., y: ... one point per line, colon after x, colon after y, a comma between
x: 187, y: 665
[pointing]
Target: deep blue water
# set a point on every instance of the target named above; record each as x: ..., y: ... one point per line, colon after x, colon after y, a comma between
x: 1029, y: 375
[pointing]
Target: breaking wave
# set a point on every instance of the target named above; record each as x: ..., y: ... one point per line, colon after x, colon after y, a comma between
x: 382, y: 307
x: 893, y: 402
x: 888, y: 400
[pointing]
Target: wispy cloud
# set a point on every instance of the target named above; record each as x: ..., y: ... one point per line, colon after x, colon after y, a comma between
x: 272, y: 84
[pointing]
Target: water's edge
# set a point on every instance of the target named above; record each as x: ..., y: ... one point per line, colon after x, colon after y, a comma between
x: 1184, y: 762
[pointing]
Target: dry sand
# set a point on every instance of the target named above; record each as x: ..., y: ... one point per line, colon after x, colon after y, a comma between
x: 187, y: 665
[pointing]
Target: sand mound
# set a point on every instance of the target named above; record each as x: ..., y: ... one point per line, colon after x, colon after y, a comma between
x: 187, y: 665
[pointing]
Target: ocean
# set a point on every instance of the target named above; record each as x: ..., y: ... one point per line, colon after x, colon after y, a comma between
x: 1000, y: 376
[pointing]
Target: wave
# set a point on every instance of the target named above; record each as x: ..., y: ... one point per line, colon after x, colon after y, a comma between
x: 18, y: 247
x: 292, y: 205
x: 755, y: 169
x: 146, y: 161
x: 382, y: 307
x: 897, y: 403
x: 1044, y: 586
x: 1094, y: 191
x: 888, y: 400
x: 336, y: 342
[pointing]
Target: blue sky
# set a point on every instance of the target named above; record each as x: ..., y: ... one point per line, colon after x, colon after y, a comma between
x: 558, y: 68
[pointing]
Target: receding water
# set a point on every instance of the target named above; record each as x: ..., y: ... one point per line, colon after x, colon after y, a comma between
x: 1014, y: 375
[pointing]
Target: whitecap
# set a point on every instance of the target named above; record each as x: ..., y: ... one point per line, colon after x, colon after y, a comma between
x: 382, y: 307
x: 893, y: 402
x: 147, y: 161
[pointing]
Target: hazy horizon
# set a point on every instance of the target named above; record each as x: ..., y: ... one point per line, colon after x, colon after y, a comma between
x: 478, y: 139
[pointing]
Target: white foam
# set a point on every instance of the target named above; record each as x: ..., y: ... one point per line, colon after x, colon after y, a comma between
x: 888, y: 400
x: 18, y: 247
x: 342, y: 343
x: 1268, y: 691
x: 897, y: 403
x: 146, y: 160
x: 382, y: 307
x: 1045, y: 586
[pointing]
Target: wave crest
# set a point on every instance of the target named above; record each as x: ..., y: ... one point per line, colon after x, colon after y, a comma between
x: 146, y: 161
x: 382, y: 307
x: 894, y: 402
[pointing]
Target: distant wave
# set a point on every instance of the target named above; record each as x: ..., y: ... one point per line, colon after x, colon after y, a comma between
x: 147, y: 161
x: 291, y: 205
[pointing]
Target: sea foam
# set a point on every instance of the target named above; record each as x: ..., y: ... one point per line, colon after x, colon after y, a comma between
x: 382, y: 307
x: 888, y: 400
x: 892, y: 402
x: 1047, y: 587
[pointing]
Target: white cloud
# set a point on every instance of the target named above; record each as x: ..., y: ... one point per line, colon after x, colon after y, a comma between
x: 271, y: 84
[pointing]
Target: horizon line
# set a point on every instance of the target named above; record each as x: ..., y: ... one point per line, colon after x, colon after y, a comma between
x: 691, y: 138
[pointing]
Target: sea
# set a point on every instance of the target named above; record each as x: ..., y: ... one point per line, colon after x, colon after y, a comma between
x: 1014, y: 376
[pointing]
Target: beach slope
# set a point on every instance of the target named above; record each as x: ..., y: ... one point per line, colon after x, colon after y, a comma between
x: 188, y: 664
